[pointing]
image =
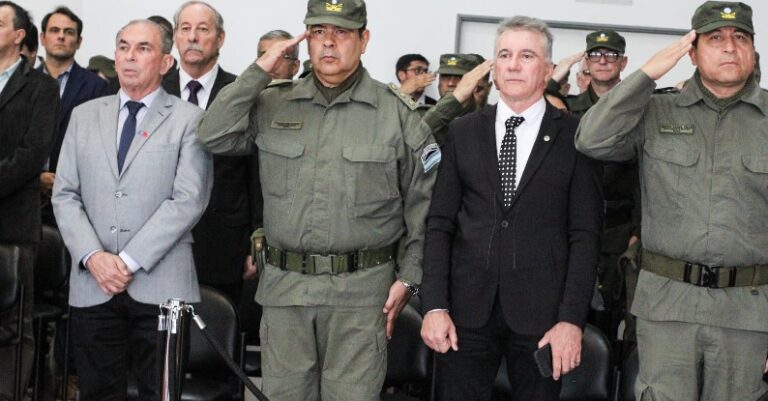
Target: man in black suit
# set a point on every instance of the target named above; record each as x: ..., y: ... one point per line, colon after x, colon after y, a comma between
x: 61, y: 37
x: 29, y: 108
x: 221, y: 235
x: 512, y: 233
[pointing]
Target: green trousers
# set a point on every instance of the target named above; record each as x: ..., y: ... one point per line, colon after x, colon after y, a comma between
x: 331, y: 353
x: 693, y: 362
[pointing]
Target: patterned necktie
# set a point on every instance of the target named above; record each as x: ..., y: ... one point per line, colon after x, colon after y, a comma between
x: 129, y: 131
x: 508, y: 159
x: 193, y: 87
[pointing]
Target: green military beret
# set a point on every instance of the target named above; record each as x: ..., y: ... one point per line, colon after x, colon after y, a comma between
x: 717, y: 14
x: 103, y: 65
x: 458, y: 64
x: 606, y: 39
x: 348, y: 14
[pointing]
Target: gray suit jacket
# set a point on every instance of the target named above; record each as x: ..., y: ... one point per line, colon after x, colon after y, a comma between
x: 147, y: 210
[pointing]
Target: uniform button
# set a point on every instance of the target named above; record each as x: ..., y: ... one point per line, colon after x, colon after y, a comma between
x: 504, y: 224
x: 113, y: 229
x: 118, y: 194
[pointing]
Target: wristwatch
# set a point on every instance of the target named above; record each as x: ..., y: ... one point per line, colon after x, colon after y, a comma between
x: 413, y: 289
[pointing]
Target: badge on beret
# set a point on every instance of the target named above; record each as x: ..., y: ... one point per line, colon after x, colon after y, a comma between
x: 602, y: 38
x: 452, y: 61
x: 334, y: 6
x: 430, y: 157
x: 728, y: 13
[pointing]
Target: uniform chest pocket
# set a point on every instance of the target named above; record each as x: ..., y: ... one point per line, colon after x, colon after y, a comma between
x: 668, y: 172
x: 371, y: 177
x: 279, y: 163
x: 756, y: 190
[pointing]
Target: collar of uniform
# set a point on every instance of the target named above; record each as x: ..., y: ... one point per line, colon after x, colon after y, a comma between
x: 758, y: 97
x: 691, y: 94
x: 363, y: 91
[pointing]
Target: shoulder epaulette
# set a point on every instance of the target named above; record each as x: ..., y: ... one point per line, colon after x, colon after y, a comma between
x: 403, y: 97
x: 279, y: 82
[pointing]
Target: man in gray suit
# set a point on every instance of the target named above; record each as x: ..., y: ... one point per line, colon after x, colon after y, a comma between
x: 131, y: 184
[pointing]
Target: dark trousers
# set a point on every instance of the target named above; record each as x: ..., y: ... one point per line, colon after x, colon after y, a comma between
x: 111, y: 339
x: 469, y: 373
x: 8, y: 356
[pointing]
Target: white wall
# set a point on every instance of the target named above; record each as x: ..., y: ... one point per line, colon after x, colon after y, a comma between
x: 397, y: 26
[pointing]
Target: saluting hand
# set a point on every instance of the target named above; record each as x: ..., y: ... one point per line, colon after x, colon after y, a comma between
x: 417, y: 83
x: 269, y: 60
x: 668, y: 57
x: 564, y: 65
x: 466, y: 87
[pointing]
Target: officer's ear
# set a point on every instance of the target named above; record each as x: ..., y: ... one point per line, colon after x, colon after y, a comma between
x: 365, y: 36
x: 623, y: 63
x: 401, y: 76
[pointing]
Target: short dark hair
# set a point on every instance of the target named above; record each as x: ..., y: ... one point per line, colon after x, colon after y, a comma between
x: 404, y: 61
x: 30, y: 40
x: 66, y: 11
x: 21, y: 16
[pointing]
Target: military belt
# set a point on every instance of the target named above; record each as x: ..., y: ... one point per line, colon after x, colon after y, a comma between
x: 309, y: 263
x: 703, y: 275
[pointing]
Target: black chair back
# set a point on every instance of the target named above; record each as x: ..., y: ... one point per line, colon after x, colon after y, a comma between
x: 407, y: 355
x: 629, y: 376
x: 9, y: 276
x: 223, y: 324
x: 591, y: 381
x: 53, y: 262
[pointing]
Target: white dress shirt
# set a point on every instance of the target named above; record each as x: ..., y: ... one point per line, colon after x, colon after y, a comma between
x: 206, y: 81
x: 526, y: 132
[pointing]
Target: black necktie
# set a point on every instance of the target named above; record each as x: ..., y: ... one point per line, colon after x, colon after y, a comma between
x: 129, y: 131
x: 508, y: 159
x: 193, y: 87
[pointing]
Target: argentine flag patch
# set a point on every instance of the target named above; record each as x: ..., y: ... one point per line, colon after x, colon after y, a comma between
x: 430, y: 157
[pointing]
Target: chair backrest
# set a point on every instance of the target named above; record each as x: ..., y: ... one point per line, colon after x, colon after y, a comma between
x: 629, y: 372
x: 407, y: 355
x: 591, y: 381
x: 223, y: 324
x: 593, y: 378
x: 9, y: 276
x: 52, y: 264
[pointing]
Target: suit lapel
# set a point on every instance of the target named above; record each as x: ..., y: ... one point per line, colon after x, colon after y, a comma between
x: 157, y: 113
x: 74, y: 84
x: 108, y: 129
x: 544, y: 140
x: 171, y: 83
x: 14, y: 84
x: 488, y: 150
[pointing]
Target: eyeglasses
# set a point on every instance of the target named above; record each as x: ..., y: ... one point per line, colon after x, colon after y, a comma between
x: 610, y: 56
x: 418, y: 70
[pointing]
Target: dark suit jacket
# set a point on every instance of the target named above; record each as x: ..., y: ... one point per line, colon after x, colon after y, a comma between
x: 82, y: 86
x: 539, y: 254
x: 29, y: 111
x: 221, y: 235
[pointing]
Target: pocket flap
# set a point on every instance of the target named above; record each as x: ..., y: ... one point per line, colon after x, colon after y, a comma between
x: 756, y: 164
x: 681, y: 157
x: 279, y: 146
x: 376, y: 154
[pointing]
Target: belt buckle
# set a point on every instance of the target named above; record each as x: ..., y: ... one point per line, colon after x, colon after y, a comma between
x: 323, y: 263
x: 708, y: 276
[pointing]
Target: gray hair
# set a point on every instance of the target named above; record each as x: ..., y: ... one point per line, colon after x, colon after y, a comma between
x: 166, y: 40
x: 535, y: 25
x: 279, y: 34
x: 219, y: 19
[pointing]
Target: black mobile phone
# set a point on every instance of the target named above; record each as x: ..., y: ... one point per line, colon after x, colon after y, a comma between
x: 543, y: 357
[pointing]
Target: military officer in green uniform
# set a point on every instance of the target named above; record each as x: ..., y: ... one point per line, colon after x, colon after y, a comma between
x: 701, y: 300
x: 347, y: 169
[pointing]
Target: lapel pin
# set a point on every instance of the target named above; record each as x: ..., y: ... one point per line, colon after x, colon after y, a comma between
x: 144, y: 134
x: 546, y: 138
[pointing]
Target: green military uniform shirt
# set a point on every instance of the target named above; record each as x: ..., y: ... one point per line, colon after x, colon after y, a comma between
x: 336, y: 178
x: 704, y: 185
